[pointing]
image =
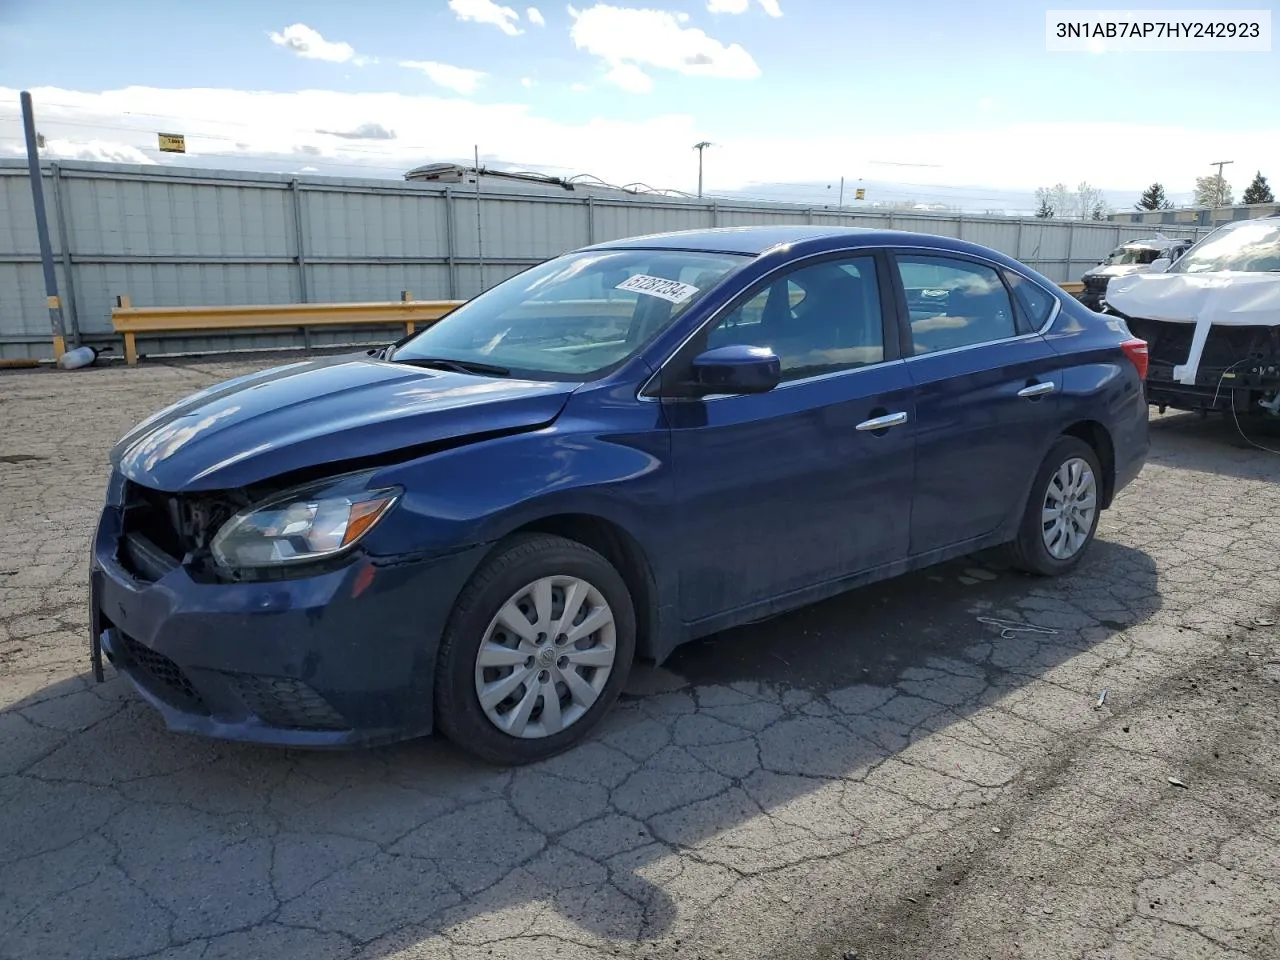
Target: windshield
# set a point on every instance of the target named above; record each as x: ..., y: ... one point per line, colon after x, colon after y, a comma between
x: 1252, y: 246
x: 576, y: 317
x: 1124, y: 255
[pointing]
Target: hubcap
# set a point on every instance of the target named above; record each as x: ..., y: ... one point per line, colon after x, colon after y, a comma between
x: 546, y: 657
x: 1070, y: 504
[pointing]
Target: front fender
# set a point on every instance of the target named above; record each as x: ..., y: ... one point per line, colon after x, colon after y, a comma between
x: 606, y: 455
x: 479, y: 493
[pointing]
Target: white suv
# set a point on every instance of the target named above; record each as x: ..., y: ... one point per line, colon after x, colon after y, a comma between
x: 1132, y: 256
x: 1211, y: 321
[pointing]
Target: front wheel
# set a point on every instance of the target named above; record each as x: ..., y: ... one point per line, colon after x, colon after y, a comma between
x: 537, y: 649
x: 1061, y: 515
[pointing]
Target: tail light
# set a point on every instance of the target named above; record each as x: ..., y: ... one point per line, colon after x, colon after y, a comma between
x: 1136, y: 351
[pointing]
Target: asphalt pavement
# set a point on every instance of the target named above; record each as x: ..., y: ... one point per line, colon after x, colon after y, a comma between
x: 921, y: 768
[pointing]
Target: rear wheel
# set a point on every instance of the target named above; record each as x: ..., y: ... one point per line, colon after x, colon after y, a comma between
x: 1061, y: 515
x: 537, y: 649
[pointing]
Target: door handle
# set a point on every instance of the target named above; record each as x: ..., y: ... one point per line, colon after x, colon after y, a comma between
x: 883, y: 423
x: 1038, y: 389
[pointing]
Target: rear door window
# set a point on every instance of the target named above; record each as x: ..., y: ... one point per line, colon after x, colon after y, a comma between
x: 954, y: 303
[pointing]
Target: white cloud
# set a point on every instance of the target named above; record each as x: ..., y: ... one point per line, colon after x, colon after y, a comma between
x: 628, y: 40
x: 486, y: 11
x: 740, y: 6
x: 535, y: 17
x: 457, y: 79
x: 103, y: 151
x: 579, y: 87
x: 365, y: 131
x: 309, y: 45
x: 526, y: 82
x: 629, y: 77
x: 277, y: 131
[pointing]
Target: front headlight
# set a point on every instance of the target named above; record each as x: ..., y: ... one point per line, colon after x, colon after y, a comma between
x: 304, y: 524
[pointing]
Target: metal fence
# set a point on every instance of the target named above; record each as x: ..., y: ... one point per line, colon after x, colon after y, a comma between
x: 184, y: 237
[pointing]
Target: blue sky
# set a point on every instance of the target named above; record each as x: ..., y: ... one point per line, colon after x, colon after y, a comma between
x: 966, y: 95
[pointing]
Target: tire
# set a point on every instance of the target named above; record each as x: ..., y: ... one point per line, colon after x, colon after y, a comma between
x: 1029, y: 551
x: 521, y: 728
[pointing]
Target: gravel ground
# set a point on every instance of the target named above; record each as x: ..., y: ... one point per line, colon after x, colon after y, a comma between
x: 889, y: 774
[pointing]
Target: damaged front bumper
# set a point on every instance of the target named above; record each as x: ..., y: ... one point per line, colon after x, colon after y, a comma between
x: 342, y: 658
x: 1207, y: 367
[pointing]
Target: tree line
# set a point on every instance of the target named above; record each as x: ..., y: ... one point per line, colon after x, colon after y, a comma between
x: 1088, y: 203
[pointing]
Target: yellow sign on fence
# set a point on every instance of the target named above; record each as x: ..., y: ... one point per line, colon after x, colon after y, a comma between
x: 172, y: 143
x: 860, y: 194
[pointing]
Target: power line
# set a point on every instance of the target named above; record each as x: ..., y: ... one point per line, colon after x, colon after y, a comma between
x: 355, y: 147
x: 355, y: 158
x: 793, y: 194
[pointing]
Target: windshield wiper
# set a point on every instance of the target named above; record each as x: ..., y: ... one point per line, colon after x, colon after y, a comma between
x: 457, y: 366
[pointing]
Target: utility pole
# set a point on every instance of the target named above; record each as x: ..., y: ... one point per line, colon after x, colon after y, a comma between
x: 1221, y: 185
x: 42, y: 227
x: 700, y: 146
x: 479, y: 222
x: 841, y: 204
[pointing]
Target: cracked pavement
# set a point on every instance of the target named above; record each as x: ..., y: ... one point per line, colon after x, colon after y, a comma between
x: 920, y: 768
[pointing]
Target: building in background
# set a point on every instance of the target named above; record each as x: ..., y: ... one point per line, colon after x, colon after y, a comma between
x: 1197, y: 216
x: 492, y: 180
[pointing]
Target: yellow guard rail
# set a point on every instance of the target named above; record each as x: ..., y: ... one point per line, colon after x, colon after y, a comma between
x: 130, y: 321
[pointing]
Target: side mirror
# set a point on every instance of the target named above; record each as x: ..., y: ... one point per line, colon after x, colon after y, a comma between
x: 736, y: 369
x: 1161, y: 265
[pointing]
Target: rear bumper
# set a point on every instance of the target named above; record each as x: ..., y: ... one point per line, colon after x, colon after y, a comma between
x: 1131, y: 440
x: 339, y: 659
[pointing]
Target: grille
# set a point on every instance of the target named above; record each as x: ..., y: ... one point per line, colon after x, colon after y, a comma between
x: 163, y: 530
x: 163, y: 676
x: 1096, y: 284
x: 287, y: 703
x: 143, y: 558
x: 150, y: 514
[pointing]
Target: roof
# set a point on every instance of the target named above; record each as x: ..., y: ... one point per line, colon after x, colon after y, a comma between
x: 1154, y: 242
x: 752, y: 240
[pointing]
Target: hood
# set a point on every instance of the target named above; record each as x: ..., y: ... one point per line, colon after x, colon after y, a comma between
x: 1248, y: 299
x: 306, y: 414
x: 1116, y: 270
x: 1230, y: 298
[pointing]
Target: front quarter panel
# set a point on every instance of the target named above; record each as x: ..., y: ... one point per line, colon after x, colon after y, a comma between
x: 606, y: 456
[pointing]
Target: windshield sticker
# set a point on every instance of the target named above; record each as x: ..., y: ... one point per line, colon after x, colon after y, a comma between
x: 672, y: 290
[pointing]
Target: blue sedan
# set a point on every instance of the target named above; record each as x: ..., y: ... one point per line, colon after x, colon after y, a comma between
x: 478, y: 529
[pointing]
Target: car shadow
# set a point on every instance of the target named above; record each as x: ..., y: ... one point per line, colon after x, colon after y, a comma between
x: 813, y: 733
x: 1214, y: 444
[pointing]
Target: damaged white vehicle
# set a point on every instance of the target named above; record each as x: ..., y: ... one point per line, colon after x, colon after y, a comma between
x: 1132, y: 256
x: 1211, y: 321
